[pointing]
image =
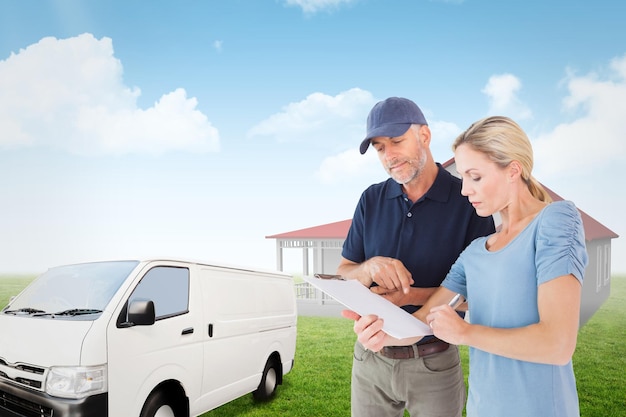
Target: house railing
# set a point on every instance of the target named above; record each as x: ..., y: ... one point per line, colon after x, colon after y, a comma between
x: 307, y: 293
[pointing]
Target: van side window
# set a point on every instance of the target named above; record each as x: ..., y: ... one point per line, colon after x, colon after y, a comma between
x: 168, y: 288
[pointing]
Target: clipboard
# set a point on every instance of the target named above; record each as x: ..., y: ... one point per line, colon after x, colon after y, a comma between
x: 357, y: 297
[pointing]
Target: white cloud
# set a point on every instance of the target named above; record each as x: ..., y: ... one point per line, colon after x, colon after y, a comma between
x: 69, y: 94
x: 326, y: 121
x: 218, y: 45
x: 443, y: 134
x: 314, y: 6
x: 502, y: 93
x: 335, y: 124
x: 597, y: 136
x: 346, y: 165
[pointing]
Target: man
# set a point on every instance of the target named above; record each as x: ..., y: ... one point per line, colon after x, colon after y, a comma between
x: 406, y: 233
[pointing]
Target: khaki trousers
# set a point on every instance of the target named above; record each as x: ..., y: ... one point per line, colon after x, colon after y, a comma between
x: 432, y: 386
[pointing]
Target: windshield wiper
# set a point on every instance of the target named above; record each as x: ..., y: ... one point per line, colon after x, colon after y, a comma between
x: 27, y: 310
x: 38, y: 313
x: 77, y: 312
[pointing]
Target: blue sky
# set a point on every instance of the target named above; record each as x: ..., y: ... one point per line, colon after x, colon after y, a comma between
x: 197, y: 128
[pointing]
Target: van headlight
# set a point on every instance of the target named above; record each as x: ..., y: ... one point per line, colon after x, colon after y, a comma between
x: 76, y: 382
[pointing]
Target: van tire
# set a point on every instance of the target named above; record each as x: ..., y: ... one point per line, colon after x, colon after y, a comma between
x: 159, y: 404
x: 269, y: 382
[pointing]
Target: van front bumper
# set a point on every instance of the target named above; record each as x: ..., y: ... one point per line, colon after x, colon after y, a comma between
x: 20, y: 402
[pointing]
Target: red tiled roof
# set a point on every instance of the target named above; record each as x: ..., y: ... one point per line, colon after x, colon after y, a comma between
x: 336, y: 230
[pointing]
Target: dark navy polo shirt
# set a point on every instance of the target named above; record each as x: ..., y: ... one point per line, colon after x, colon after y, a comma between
x: 427, y: 235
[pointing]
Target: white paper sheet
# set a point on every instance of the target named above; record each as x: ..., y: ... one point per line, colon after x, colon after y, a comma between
x: 357, y: 297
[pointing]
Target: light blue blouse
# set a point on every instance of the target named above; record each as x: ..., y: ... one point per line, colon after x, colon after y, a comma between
x: 501, y: 288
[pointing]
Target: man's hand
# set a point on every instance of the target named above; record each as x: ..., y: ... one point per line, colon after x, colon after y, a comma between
x: 388, y: 273
x: 370, y: 333
x: 368, y: 330
x: 415, y: 296
x: 397, y: 297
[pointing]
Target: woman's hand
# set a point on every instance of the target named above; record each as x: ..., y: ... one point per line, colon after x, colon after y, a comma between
x: 446, y: 324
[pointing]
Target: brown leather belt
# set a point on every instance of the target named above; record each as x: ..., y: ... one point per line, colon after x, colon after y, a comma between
x: 416, y: 350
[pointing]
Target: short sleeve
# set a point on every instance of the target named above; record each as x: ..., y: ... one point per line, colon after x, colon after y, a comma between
x: 353, y: 248
x: 455, y: 280
x: 561, y: 248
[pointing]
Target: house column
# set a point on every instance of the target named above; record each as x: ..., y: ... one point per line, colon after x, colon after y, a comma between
x: 305, y: 260
x: 279, y: 255
x: 318, y: 256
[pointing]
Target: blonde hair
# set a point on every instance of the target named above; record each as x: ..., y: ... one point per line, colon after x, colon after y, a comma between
x: 503, y: 141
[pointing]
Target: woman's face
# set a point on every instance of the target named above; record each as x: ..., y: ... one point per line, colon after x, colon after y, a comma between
x: 485, y: 184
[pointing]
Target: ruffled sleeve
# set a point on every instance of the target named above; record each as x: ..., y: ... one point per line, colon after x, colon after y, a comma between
x: 561, y: 248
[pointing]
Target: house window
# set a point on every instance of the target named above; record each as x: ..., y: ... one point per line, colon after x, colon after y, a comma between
x: 599, y: 268
x: 607, y: 264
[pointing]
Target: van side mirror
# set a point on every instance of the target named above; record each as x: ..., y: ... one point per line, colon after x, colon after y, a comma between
x: 141, y: 313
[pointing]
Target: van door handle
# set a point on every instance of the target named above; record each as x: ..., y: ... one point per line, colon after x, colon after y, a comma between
x: 188, y: 330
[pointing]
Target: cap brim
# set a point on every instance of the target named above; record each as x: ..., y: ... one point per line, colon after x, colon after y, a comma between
x: 391, y: 130
x: 364, y: 145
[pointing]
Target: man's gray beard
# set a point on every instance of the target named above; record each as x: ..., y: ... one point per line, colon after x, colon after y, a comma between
x: 416, y: 172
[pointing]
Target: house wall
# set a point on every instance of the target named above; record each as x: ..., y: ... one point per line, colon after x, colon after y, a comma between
x: 597, y: 280
x: 330, y: 262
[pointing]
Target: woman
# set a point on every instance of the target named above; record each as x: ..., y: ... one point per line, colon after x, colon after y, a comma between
x: 523, y: 283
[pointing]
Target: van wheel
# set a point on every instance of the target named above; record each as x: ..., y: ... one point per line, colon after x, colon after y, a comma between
x: 269, y: 381
x: 159, y: 405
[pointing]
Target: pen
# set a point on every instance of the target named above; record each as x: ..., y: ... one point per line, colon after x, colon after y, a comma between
x: 330, y: 276
x: 456, y: 301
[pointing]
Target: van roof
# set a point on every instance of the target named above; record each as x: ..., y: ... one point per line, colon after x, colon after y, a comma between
x: 146, y: 260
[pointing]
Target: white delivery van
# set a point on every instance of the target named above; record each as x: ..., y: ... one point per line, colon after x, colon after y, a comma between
x: 144, y: 338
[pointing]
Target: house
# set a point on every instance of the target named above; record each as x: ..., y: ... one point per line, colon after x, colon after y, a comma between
x: 322, y: 245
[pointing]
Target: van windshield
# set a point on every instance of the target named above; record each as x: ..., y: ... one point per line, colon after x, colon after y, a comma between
x: 72, y: 290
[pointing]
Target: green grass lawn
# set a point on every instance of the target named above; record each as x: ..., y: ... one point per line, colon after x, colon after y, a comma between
x: 319, y: 384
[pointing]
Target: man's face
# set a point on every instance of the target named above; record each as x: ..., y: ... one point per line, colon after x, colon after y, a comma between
x: 403, y: 157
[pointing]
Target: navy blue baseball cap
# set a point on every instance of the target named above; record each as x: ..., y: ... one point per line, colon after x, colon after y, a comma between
x: 391, y: 118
